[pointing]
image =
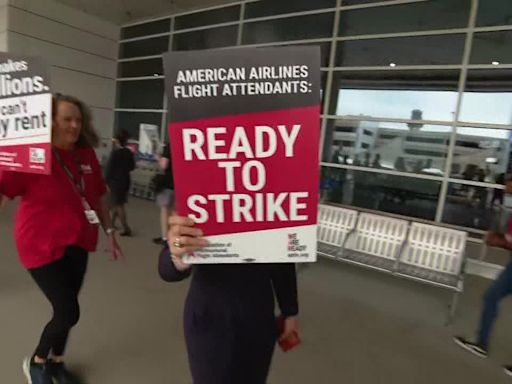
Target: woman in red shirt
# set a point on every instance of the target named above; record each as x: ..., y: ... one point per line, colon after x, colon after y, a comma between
x: 57, y: 226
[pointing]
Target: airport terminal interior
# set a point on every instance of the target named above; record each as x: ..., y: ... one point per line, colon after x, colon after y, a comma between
x: 415, y: 126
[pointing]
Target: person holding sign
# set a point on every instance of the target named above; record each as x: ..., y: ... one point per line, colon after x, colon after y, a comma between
x: 57, y: 226
x: 244, y: 133
x: 230, y: 327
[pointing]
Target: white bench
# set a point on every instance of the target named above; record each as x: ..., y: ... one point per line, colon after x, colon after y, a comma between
x: 421, y: 252
x: 376, y: 241
x: 334, y: 226
x: 435, y: 255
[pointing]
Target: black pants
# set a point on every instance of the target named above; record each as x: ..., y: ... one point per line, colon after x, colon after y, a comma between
x: 60, y: 282
x: 229, y: 322
x: 238, y: 355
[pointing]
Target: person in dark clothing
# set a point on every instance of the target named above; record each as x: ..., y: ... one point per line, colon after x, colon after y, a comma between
x: 376, y: 162
x: 337, y: 155
x: 400, y: 164
x: 498, y: 193
x: 229, y: 322
x: 120, y: 164
x: 367, y: 157
x: 499, y: 236
x: 165, y: 194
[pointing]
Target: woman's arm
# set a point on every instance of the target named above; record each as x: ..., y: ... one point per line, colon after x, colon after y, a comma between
x: 183, y: 239
x: 3, y: 202
x: 167, y: 267
x: 284, y: 280
x: 163, y: 163
x: 12, y: 184
x: 104, y: 214
x: 106, y: 223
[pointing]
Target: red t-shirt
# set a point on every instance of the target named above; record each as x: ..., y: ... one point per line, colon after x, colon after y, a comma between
x: 51, y: 215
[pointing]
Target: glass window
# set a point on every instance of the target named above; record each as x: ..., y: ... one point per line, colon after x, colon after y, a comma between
x: 358, y: 2
x: 472, y: 207
x: 146, y: 47
x: 494, y: 12
x: 200, y: 19
x: 419, y: 50
x: 407, y: 196
x: 488, y: 97
x: 420, y: 95
x: 140, y: 94
x: 481, y: 154
x: 272, y: 7
x: 492, y: 48
x: 293, y: 28
x: 204, y: 39
x: 131, y: 121
x: 325, y: 50
x: 422, y: 16
x: 414, y: 147
x: 152, y: 28
x: 138, y: 68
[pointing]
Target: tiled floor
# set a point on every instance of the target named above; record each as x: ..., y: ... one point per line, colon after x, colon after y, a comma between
x: 358, y: 326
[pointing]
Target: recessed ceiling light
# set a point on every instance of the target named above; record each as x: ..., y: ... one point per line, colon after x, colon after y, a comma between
x: 495, y: 63
x: 392, y: 64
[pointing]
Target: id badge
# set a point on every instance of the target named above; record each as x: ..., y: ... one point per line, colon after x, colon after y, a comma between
x: 92, y: 217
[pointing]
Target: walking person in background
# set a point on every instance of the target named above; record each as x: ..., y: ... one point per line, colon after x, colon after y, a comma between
x: 120, y: 164
x: 376, y: 161
x: 164, y: 188
x: 56, y: 227
x: 230, y: 326
x: 500, y: 236
x: 497, y: 196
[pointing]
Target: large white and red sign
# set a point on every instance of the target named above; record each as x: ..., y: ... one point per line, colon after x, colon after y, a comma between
x: 244, y: 132
x: 25, y: 115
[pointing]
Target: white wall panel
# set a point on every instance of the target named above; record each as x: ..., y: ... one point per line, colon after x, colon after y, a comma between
x: 94, y: 90
x: 3, y: 18
x: 69, y: 15
x: 3, y: 41
x: 43, y: 28
x: 62, y: 56
x: 103, y: 120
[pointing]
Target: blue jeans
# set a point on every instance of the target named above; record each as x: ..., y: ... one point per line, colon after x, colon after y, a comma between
x: 501, y: 287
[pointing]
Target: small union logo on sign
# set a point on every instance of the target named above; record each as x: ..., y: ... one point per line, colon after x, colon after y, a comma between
x: 37, y: 155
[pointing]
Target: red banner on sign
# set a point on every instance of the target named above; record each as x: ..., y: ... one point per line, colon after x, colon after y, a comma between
x: 248, y: 173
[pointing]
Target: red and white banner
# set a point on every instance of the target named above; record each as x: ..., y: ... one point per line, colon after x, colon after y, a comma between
x: 244, y: 136
x: 25, y: 115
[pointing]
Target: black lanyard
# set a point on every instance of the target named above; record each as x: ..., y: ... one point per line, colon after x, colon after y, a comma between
x: 79, y: 184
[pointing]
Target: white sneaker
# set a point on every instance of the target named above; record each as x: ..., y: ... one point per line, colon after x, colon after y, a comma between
x: 36, y: 373
x: 474, y: 348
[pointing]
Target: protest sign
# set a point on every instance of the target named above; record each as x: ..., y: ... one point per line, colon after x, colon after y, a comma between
x: 25, y: 115
x: 244, y: 132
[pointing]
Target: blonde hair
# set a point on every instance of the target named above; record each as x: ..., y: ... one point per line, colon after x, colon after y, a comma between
x: 88, y: 135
